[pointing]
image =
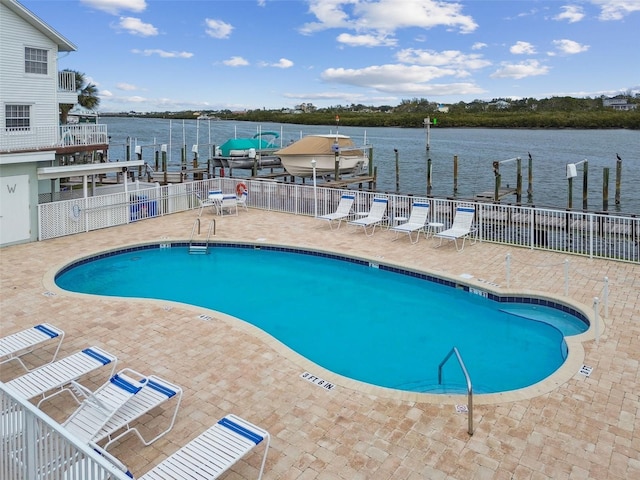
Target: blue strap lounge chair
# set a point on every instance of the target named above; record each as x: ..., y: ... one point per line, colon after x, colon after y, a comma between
x: 461, y: 227
x: 416, y: 223
x: 154, y: 393
x: 342, y: 212
x: 54, y: 378
x: 375, y: 216
x: 213, y: 452
x: 98, y: 407
x: 14, y: 346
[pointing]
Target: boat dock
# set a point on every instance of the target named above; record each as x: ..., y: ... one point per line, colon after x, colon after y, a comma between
x: 490, y: 196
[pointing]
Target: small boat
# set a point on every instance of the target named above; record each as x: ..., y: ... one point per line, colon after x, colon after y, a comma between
x: 297, y: 157
x: 245, y: 152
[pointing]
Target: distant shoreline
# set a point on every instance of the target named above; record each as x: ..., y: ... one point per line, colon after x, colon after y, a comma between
x: 594, y: 120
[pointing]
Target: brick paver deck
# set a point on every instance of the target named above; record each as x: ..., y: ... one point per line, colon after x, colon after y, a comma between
x: 568, y: 427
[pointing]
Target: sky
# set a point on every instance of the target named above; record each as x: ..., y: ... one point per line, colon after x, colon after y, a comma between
x: 174, y: 55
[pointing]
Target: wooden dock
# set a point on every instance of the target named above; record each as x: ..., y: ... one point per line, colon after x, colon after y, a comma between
x: 490, y: 196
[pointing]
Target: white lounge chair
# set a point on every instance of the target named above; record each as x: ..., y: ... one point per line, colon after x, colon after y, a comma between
x: 98, y: 407
x: 213, y: 452
x: 461, y: 227
x: 154, y: 393
x: 375, y: 216
x: 416, y: 223
x: 55, y: 378
x: 14, y: 346
x: 342, y: 212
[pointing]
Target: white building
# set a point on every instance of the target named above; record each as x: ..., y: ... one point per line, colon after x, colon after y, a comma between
x: 35, y: 150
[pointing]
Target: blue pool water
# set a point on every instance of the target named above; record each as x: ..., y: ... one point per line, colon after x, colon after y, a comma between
x: 367, y: 323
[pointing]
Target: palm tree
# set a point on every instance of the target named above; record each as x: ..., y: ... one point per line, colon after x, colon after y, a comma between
x: 87, y: 95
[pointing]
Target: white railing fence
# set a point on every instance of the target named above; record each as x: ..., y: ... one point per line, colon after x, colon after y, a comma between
x: 67, y: 81
x: 36, y: 447
x: 596, y: 235
x: 52, y: 136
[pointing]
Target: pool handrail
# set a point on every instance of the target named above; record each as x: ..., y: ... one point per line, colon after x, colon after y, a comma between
x: 469, y: 386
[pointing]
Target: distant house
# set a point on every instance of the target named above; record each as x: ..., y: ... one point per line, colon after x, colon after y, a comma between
x: 618, y: 104
x: 443, y: 108
x: 499, y: 105
x: 34, y: 146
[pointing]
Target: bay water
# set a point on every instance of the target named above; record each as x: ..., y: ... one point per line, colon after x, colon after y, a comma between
x: 404, y: 150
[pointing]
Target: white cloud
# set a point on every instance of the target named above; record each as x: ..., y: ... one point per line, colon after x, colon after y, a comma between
x: 569, y: 47
x: 126, y: 86
x: 446, y: 58
x: 478, y: 46
x: 366, y: 40
x: 162, y: 53
x: 135, y: 26
x: 571, y: 13
x: 115, y: 6
x: 386, y: 16
x: 218, y: 28
x: 236, y: 62
x: 522, y: 48
x: 528, y: 68
x: 282, y: 63
x: 400, y: 79
x: 616, y: 9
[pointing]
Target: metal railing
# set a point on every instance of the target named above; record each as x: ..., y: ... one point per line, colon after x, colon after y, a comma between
x: 469, y: 386
x: 597, y: 235
x: 52, y: 137
x: 34, y: 446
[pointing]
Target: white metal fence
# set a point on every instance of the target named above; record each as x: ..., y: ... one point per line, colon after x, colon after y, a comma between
x: 35, y: 447
x: 596, y: 235
x: 51, y: 136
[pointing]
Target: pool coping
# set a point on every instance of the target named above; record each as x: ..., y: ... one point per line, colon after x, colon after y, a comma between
x: 568, y: 370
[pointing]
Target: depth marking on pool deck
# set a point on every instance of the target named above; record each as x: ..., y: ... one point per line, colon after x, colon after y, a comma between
x: 586, y: 370
x: 317, y: 380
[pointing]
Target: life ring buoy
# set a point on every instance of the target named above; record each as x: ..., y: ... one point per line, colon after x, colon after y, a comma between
x: 241, y: 188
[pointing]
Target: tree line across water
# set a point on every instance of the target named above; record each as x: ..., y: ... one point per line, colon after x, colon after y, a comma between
x: 556, y: 112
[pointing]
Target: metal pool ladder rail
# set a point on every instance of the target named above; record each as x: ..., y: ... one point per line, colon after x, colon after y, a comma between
x: 197, y: 246
x: 469, y: 386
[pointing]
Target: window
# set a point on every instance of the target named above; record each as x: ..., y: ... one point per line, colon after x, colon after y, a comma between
x: 18, y: 117
x: 35, y: 60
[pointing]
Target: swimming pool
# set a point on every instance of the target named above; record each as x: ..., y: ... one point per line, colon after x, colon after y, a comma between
x: 373, y: 323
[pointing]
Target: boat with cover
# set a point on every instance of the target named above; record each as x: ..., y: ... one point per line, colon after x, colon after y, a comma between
x: 325, y: 150
x: 245, y: 152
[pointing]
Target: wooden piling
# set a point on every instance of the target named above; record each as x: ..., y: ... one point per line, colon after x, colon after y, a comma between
x: 605, y: 188
x: 395, y: 150
x: 518, y: 180
x: 530, y: 178
x: 455, y: 175
x: 585, y: 183
x: 428, y: 176
x: 618, y: 179
x: 570, y: 193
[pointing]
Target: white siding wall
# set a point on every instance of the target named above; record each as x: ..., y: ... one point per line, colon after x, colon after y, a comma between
x: 16, y: 86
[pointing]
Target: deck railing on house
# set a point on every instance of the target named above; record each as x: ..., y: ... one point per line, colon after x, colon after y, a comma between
x: 597, y: 235
x: 51, y: 137
x: 34, y: 446
x: 67, y: 81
